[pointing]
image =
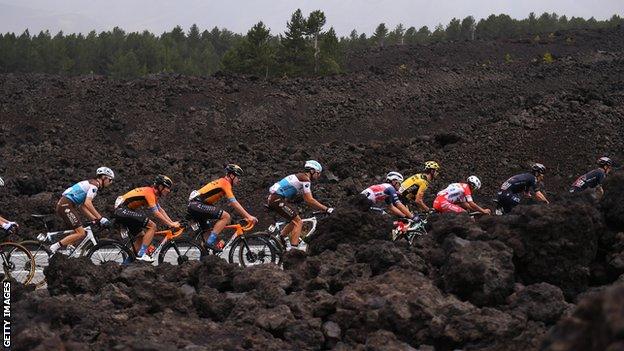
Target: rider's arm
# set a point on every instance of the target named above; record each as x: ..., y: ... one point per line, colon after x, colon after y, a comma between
x: 89, y: 210
x: 241, y: 210
x: 162, y: 216
x: 403, y: 210
x: 541, y: 197
x: 475, y: 207
x: 599, y: 191
x: 307, y: 197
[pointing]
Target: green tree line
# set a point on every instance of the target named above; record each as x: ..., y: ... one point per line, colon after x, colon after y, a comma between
x: 307, y: 47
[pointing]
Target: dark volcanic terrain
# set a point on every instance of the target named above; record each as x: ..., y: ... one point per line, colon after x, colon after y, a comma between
x: 545, y: 277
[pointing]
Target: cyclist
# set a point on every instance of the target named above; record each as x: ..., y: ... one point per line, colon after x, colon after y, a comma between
x: 80, y: 196
x: 414, y: 187
x: 386, y: 193
x: 594, y: 179
x: 129, y: 211
x: 7, y: 225
x: 284, y: 192
x: 201, y: 204
x: 510, y: 193
x: 457, y: 197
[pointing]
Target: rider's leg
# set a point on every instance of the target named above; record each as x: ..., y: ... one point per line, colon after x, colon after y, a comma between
x: 287, y: 229
x: 218, y: 227
x: 79, y: 234
x: 147, y: 237
x: 296, y: 231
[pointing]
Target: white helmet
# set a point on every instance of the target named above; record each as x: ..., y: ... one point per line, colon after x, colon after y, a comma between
x: 311, y: 164
x: 105, y: 171
x: 1, y: 181
x: 394, y: 176
x: 476, y: 183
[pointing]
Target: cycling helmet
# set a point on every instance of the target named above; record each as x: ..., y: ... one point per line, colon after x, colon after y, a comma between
x: 1, y: 181
x: 474, y: 181
x: 605, y: 161
x: 163, y: 180
x: 313, y: 165
x: 105, y: 171
x: 394, y: 176
x: 234, y: 169
x: 539, y: 168
x: 432, y: 165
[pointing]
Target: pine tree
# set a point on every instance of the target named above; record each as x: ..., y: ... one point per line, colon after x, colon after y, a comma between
x: 314, y: 24
x: 379, y: 37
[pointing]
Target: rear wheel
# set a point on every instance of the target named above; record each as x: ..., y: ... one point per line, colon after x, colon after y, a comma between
x: 253, y: 250
x: 17, y: 262
x: 180, y: 251
x: 41, y: 254
x: 110, y: 251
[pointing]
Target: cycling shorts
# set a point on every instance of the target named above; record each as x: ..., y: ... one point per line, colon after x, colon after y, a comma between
x: 202, y: 213
x: 282, y: 207
x: 135, y: 221
x: 508, y: 200
x: 442, y: 205
x: 68, y: 212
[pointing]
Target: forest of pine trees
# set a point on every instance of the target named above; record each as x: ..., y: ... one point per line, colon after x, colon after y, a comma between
x: 307, y: 47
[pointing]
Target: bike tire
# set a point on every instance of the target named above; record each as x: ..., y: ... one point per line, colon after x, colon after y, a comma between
x: 41, y: 254
x: 17, y: 262
x: 110, y: 251
x: 253, y: 250
x: 180, y: 251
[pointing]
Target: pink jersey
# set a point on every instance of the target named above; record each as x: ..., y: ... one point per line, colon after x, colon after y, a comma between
x: 456, y: 192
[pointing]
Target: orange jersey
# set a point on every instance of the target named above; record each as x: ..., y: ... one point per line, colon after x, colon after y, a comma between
x: 214, y: 191
x: 139, y: 197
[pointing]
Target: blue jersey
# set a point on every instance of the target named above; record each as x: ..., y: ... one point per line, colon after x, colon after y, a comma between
x: 589, y: 180
x: 523, y: 182
x: 80, y: 191
x: 382, y: 193
x: 291, y: 187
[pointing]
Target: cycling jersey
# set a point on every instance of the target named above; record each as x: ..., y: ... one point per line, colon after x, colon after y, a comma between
x: 456, y: 192
x: 139, y: 197
x: 80, y: 191
x: 523, y: 182
x: 589, y: 180
x: 214, y: 191
x: 292, y: 186
x: 381, y: 193
x: 414, y: 186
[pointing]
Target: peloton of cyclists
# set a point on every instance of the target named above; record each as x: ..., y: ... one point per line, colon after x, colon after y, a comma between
x: 201, y: 205
x: 593, y: 179
x: 283, y: 193
x: 457, y: 197
x: 80, y: 197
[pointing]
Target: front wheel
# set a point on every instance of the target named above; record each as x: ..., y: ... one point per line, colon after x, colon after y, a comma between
x: 17, y: 262
x: 41, y: 254
x: 253, y: 250
x: 110, y: 251
x: 180, y: 251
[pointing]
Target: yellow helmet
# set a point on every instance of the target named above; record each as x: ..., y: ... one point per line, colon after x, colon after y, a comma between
x: 432, y: 165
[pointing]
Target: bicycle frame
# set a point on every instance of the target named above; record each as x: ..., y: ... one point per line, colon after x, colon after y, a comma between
x: 47, y: 238
x: 168, y: 235
x: 277, y: 226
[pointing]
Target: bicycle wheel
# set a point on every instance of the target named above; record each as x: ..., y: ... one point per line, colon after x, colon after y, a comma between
x: 253, y: 250
x: 17, y: 262
x: 41, y: 254
x: 180, y: 251
x: 110, y: 251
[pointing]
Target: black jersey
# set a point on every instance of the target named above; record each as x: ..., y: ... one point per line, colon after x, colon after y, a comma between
x: 589, y: 180
x: 523, y: 182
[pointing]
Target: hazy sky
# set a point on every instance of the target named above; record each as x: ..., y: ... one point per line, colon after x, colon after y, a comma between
x: 239, y: 15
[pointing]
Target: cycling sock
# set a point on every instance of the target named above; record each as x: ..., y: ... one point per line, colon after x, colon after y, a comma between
x: 54, y: 247
x: 142, y: 250
x: 212, y: 239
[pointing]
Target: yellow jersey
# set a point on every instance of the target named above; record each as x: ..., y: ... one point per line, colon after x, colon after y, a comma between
x: 414, y: 185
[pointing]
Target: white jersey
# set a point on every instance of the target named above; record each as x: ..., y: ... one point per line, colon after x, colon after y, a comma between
x: 457, y: 192
x: 80, y: 191
x: 290, y: 187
